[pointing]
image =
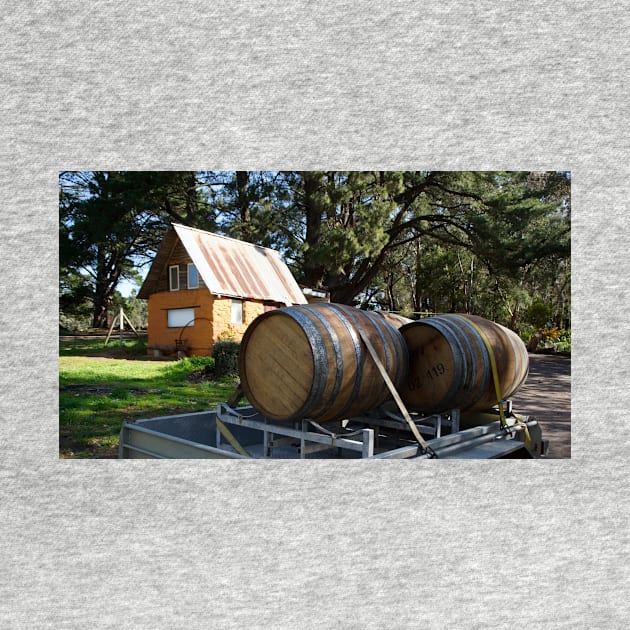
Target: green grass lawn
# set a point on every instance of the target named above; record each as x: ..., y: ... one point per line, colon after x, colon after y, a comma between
x: 101, y: 387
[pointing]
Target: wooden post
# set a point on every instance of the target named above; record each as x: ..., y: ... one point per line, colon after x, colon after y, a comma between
x: 122, y: 325
x: 120, y: 318
x: 111, y: 328
x: 130, y: 324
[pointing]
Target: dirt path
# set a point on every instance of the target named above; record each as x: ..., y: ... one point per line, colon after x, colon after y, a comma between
x: 547, y: 395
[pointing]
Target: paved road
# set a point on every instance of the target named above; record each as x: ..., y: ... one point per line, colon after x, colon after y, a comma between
x: 546, y: 394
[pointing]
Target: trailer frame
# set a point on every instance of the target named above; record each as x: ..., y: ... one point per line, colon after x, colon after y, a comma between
x: 180, y: 436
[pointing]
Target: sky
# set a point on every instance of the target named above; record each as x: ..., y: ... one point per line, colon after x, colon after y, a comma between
x: 125, y: 286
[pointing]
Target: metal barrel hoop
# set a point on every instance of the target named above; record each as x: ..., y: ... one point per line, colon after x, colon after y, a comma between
x: 478, y: 344
x: 319, y: 358
x: 446, y: 329
x: 336, y: 345
x: 358, y: 351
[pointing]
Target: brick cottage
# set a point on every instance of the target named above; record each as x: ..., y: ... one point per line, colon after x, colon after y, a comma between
x: 203, y: 286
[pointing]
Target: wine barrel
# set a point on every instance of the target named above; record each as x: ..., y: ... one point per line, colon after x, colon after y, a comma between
x: 450, y: 367
x: 310, y: 362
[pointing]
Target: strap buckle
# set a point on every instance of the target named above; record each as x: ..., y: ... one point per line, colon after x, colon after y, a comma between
x: 427, y: 450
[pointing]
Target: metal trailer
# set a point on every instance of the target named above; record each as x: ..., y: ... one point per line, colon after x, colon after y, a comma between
x: 243, y: 433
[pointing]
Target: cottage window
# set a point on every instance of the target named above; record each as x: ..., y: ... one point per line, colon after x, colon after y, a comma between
x: 179, y: 317
x: 173, y: 277
x: 193, y: 277
x: 237, y: 311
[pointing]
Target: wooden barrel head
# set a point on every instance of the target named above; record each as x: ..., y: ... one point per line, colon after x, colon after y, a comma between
x: 432, y: 364
x: 277, y: 371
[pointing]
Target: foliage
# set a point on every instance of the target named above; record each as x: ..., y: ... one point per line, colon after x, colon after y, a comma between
x: 190, y: 364
x: 550, y: 333
x: 186, y: 366
x: 538, y: 314
x: 555, y: 339
x: 495, y: 242
x: 180, y: 196
x: 527, y: 331
x: 137, y: 311
x: 107, y: 228
x: 564, y: 341
x: 362, y: 233
x: 70, y: 323
x: 550, y: 339
x: 225, y: 354
x: 75, y: 298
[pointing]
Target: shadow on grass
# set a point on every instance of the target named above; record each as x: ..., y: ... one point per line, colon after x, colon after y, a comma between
x: 131, y: 349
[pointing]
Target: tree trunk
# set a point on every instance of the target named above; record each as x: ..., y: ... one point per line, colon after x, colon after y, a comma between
x: 313, y: 270
x: 108, y: 273
x: 242, y: 199
x: 101, y: 302
x: 192, y: 204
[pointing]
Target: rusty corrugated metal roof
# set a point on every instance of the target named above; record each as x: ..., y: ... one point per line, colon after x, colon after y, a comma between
x: 235, y: 268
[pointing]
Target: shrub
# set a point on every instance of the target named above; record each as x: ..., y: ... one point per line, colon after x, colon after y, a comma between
x: 555, y: 339
x: 538, y: 314
x: 225, y: 355
x: 198, y: 363
x: 526, y: 331
x: 72, y: 324
x: 550, y: 334
x: 179, y: 370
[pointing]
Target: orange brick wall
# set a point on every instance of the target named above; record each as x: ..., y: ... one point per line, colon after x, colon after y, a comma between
x: 222, y: 316
x: 212, y: 319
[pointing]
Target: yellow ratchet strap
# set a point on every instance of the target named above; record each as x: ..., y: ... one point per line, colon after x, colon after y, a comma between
x: 528, y: 439
x: 229, y: 436
x: 493, y: 367
x: 497, y: 385
x: 396, y: 396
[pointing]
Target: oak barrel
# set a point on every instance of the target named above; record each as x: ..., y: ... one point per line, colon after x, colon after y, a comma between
x: 450, y: 367
x: 310, y: 362
x: 394, y: 319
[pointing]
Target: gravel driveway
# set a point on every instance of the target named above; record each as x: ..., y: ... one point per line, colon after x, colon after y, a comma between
x: 546, y: 395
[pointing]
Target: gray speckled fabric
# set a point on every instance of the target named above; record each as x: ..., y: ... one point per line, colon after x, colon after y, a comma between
x: 358, y: 85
